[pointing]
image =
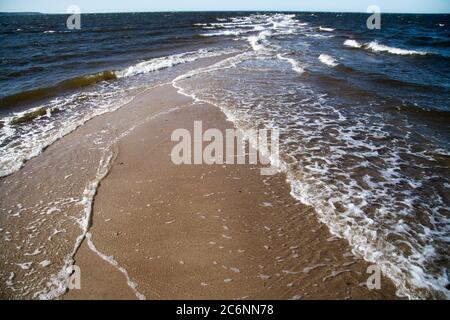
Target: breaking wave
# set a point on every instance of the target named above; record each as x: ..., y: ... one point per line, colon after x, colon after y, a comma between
x: 328, y: 60
x: 377, y: 47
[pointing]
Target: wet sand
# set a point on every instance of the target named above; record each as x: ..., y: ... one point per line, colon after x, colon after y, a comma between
x: 161, y: 231
x: 108, y: 198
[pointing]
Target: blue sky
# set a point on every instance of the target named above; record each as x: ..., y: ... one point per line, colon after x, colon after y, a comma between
x: 59, y: 6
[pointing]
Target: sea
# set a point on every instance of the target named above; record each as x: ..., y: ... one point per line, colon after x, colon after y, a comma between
x: 363, y: 115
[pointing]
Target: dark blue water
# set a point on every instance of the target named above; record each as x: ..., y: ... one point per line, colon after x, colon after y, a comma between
x: 39, y: 51
x: 364, y: 114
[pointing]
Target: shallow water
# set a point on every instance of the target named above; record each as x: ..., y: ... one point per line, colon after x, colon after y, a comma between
x: 368, y: 163
x: 364, y: 115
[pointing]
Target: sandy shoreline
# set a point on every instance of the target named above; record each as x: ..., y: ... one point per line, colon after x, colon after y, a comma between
x: 155, y: 230
x: 206, y: 232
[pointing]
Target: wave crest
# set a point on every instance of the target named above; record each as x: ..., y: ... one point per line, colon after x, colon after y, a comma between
x: 326, y: 29
x: 167, y: 62
x: 328, y: 60
x: 377, y: 47
x: 46, y: 92
x: 352, y: 43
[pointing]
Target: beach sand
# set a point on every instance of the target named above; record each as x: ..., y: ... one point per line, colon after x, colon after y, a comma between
x: 155, y: 230
x: 162, y: 231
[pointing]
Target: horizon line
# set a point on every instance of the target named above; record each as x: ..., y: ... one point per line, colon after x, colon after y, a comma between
x: 218, y: 11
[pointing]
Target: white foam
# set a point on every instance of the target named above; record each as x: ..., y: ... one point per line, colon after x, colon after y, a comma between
x: 257, y: 42
x: 132, y: 284
x: 352, y: 43
x: 79, y: 108
x: 296, y: 66
x: 167, y: 62
x: 34, y: 253
x: 328, y: 60
x: 58, y: 283
x: 223, y: 64
x: 376, y: 47
x: 313, y: 183
x: 45, y: 263
x: 326, y: 29
x: 13, y: 155
x: 266, y: 25
x: 25, y: 265
x: 226, y: 33
x: 317, y: 35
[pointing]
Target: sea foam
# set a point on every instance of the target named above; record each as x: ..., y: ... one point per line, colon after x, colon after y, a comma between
x: 328, y: 60
x: 326, y: 29
x: 296, y: 66
x: 376, y: 47
x: 167, y: 62
x: 352, y: 43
